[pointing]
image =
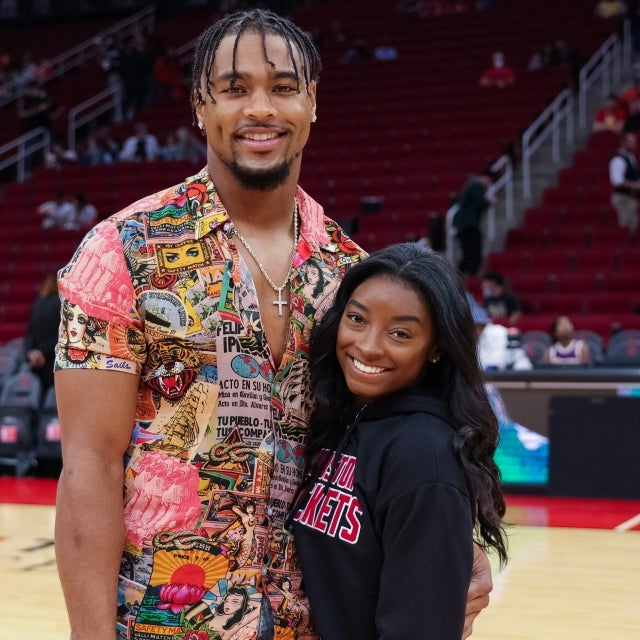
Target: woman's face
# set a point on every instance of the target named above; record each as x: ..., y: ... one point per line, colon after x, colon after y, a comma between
x: 385, y: 338
x: 232, y: 603
x: 76, y: 325
x: 313, y: 274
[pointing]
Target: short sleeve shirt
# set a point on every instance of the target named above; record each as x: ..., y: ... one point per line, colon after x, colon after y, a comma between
x: 159, y: 290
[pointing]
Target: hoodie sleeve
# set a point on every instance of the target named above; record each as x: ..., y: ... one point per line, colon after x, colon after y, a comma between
x: 426, y: 535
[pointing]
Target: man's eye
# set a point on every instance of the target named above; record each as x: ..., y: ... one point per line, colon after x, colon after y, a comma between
x: 232, y: 89
x: 285, y: 88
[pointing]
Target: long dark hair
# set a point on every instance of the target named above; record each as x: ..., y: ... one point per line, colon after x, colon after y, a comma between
x: 456, y: 378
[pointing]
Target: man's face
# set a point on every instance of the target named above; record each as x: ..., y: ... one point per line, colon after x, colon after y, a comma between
x: 258, y: 125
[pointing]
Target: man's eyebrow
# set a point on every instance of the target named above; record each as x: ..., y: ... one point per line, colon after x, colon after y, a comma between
x: 227, y: 76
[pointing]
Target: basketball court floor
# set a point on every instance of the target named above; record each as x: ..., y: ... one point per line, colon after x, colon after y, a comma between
x: 574, y: 572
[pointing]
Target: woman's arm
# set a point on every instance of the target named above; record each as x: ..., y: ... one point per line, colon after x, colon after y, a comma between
x: 426, y: 535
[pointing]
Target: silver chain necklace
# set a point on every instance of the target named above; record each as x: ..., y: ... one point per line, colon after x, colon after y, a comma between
x: 278, y: 289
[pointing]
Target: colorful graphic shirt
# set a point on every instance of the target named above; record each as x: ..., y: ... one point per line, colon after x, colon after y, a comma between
x: 216, y: 453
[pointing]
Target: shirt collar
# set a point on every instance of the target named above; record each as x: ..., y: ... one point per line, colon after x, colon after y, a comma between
x: 209, y: 215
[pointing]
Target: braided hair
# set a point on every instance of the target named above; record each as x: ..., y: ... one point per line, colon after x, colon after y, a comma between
x: 263, y: 22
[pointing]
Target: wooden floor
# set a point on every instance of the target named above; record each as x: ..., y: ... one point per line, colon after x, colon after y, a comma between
x: 561, y: 583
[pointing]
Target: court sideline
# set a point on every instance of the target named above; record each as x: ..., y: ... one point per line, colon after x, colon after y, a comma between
x: 574, y: 572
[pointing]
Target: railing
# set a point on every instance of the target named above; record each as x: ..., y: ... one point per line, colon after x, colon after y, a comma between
x: 548, y: 123
x: 19, y: 151
x: 74, y: 57
x: 503, y: 183
x: 108, y: 100
x: 605, y: 63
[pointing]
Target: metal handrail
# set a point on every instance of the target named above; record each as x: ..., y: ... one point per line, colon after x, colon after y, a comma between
x: 71, y: 58
x: 606, y: 63
x: 547, y: 124
x: 503, y: 183
x: 89, y: 110
x: 25, y: 146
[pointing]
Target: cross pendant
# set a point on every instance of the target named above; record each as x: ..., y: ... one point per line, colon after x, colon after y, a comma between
x: 280, y: 302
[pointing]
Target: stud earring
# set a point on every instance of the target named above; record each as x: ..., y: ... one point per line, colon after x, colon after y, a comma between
x: 435, y: 358
x: 314, y: 117
x: 200, y: 125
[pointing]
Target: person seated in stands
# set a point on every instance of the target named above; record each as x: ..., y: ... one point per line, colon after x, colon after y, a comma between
x: 498, y: 346
x: 359, y: 52
x: 142, y: 146
x: 168, y: 75
x: 611, y: 115
x: 385, y: 51
x: 86, y: 215
x: 498, y: 74
x: 632, y: 93
x: 94, y: 153
x: 58, y: 213
x: 632, y: 123
x: 566, y: 349
x: 498, y: 300
x: 58, y: 155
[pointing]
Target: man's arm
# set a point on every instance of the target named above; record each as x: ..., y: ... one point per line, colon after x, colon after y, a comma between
x: 97, y: 410
x: 479, y: 589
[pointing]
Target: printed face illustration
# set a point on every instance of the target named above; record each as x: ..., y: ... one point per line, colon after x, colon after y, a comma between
x: 385, y: 338
x: 75, y: 324
x: 232, y: 603
x: 182, y: 256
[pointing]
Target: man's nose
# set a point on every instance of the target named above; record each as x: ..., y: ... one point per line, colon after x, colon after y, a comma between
x: 260, y: 105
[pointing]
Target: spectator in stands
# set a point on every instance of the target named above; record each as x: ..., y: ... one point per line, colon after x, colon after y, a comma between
x: 498, y: 346
x: 94, y: 153
x: 42, y: 331
x: 358, y: 52
x: 58, y: 213
x: 385, y: 51
x: 473, y: 201
x: 613, y: 11
x: 566, y: 349
x: 35, y: 108
x: 499, y: 301
x: 191, y: 148
x: 624, y: 176
x: 168, y: 74
x: 610, y: 116
x: 632, y: 123
x: 86, y: 215
x: 498, y: 74
x: 136, y: 74
x: 142, y: 146
x: 59, y: 155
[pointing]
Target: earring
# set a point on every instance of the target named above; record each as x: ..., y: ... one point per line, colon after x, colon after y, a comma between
x: 435, y: 358
x: 200, y: 125
x: 314, y: 117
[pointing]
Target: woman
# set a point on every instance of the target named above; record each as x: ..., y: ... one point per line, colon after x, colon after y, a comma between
x: 400, y: 467
x: 565, y: 348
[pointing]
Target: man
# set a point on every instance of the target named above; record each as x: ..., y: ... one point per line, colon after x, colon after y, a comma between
x: 193, y: 368
x: 498, y: 300
x: 624, y: 176
x: 472, y: 203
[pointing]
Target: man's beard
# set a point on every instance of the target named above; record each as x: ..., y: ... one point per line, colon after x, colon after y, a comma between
x: 261, y: 180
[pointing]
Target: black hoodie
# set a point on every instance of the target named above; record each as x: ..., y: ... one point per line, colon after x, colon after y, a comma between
x: 385, y: 535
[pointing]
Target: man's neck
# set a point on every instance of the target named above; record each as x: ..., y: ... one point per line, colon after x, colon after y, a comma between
x: 269, y: 209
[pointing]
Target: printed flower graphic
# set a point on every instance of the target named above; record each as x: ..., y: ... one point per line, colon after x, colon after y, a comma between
x: 177, y: 597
